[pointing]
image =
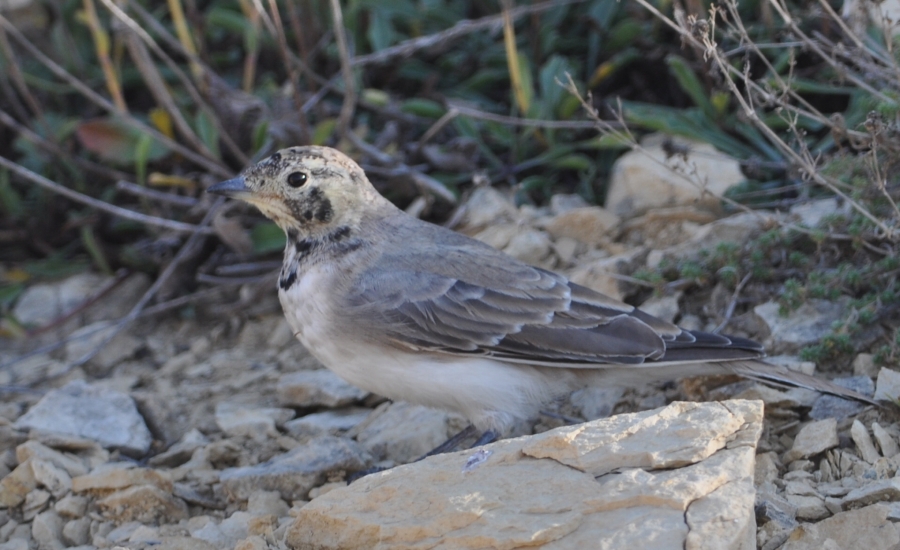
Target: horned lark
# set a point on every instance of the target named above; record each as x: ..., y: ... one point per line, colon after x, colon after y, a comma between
x: 413, y: 311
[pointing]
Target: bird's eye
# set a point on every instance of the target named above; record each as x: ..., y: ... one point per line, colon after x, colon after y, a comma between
x: 297, y: 179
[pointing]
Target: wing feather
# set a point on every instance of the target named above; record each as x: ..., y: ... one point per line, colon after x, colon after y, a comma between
x: 473, y: 299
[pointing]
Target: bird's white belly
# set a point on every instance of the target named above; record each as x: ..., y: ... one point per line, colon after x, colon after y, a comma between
x: 488, y: 392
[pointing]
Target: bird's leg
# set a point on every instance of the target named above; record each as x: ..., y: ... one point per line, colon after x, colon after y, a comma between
x: 489, y: 436
x: 451, y: 443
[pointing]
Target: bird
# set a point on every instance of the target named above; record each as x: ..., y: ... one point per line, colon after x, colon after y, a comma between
x: 416, y: 312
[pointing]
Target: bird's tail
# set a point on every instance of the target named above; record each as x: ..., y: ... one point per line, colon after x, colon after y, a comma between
x: 778, y: 375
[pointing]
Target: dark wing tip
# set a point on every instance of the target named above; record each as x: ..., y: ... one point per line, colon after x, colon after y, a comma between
x: 708, y: 346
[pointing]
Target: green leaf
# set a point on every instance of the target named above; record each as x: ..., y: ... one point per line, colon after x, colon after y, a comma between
x: 527, y: 81
x: 610, y: 141
x: 691, y: 85
x: 267, y: 237
x: 603, y: 13
x: 93, y: 247
x: 554, y: 70
x: 228, y: 19
x: 260, y: 135
x: 142, y: 157
x: 10, y: 200
x: 690, y: 123
x: 9, y: 294
x: 207, y: 132
x: 376, y: 97
x: 381, y: 31
x: 323, y: 131
x: 423, y: 108
x: 624, y: 33
x: 574, y: 161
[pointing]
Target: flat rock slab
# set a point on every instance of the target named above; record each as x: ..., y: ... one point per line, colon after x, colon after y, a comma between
x: 297, y: 471
x: 676, y: 477
x: 100, y: 414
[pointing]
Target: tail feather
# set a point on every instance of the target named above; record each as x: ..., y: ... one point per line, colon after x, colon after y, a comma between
x: 778, y: 375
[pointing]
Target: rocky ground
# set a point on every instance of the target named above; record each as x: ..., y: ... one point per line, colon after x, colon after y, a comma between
x: 215, y: 429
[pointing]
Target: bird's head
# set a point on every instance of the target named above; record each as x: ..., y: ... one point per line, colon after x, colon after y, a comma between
x: 307, y: 189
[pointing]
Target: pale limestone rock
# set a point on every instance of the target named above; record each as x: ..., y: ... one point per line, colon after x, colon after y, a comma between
x: 886, y: 442
x: 530, y: 246
x: 403, y: 432
x: 498, y: 235
x: 205, y: 528
x: 561, y: 202
x: 887, y: 388
x: 832, y: 406
x: 242, y: 420
x: 601, y: 275
x: 71, y: 506
x: 776, y: 517
x: 882, y: 490
x: 767, y: 468
x: 809, y: 507
x: 333, y: 422
x: 15, y: 544
x: 145, y: 533
x: 72, y: 464
x: 683, y: 479
x: 811, y: 214
x: 596, y: 402
x: 317, y: 388
x: 663, y: 307
x: 643, y: 180
x: 122, y: 346
x: 814, y: 438
x: 864, y: 365
x: 143, y: 503
x: 566, y: 249
x: 42, y: 303
x: 738, y: 229
x: 183, y: 543
x: 864, y: 444
x: 16, y: 485
x: 115, y: 476
x: 804, y: 326
x: 46, y: 530
x: 77, y: 532
x: 590, y: 225
x: 35, y: 502
x: 52, y: 477
x: 252, y: 543
x: 105, y: 416
x: 294, y: 473
x: 225, y: 534
x: 181, y: 452
x: 485, y: 207
x: 263, y: 503
x: 866, y: 528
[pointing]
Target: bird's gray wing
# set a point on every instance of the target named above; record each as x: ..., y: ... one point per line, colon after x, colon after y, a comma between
x: 474, y: 299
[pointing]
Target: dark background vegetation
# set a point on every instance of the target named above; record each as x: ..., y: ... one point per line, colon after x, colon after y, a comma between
x: 142, y: 105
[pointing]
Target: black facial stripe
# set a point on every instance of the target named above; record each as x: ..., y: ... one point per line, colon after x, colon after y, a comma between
x: 338, y: 242
x: 324, y: 212
x: 339, y: 234
x: 314, y: 205
x: 287, y: 282
x: 303, y: 246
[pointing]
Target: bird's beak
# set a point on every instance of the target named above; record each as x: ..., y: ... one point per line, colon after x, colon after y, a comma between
x: 235, y: 188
